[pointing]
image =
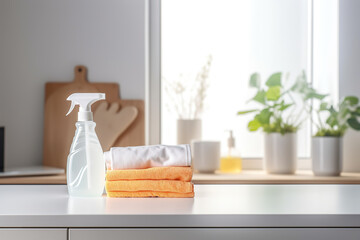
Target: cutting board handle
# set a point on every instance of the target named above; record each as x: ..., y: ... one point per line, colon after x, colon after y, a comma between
x: 80, y: 74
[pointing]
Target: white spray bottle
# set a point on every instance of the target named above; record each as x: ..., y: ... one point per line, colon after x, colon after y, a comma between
x: 85, y: 164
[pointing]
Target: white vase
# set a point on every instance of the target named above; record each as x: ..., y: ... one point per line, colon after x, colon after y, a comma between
x: 188, y: 130
x: 280, y: 153
x: 326, y: 155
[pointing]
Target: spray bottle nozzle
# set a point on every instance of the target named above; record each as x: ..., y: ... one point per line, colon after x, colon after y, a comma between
x: 84, y: 100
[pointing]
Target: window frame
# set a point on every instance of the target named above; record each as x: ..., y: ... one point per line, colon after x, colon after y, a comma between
x: 153, y: 81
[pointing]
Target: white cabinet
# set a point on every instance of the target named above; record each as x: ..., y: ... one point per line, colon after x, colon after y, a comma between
x: 33, y: 233
x: 215, y: 233
x: 179, y: 233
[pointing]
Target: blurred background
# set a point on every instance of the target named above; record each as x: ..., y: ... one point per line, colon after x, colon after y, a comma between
x: 43, y: 40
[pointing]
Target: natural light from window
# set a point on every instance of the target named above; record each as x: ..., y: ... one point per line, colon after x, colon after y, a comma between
x: 238, y: 37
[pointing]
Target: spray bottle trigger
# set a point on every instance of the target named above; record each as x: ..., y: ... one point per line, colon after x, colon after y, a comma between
x: 71, y: 107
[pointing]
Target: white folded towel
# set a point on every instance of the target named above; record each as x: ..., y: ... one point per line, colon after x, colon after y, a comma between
x: 148, y: 156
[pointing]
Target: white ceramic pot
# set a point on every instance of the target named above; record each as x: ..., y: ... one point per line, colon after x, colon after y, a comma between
x: 280, y: 153
x: 188, y: 130
x: 327, y: 156
x: 206, y: 156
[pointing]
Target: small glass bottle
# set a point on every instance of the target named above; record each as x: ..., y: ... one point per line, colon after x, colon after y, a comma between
x: 231, y: 161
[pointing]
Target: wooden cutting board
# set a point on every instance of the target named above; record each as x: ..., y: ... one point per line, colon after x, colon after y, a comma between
x: 134, y: 135
x: 111, y: 89
x: 59, y: 130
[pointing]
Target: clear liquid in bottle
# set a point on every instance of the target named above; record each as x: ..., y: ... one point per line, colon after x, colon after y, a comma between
x: 85, y: 163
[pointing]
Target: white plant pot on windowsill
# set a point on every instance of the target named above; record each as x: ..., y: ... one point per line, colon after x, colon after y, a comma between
x: 188, y: 130
x: 280, y: 153
x: 327, y: 156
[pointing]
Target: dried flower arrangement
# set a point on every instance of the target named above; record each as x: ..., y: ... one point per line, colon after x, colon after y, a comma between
x: 188, y: 102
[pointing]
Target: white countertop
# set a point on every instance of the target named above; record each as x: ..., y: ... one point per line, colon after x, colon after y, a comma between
x: 213, y: 206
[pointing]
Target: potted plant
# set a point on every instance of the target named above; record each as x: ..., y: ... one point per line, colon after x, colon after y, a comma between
x: 279, y: 118
x: 327, y: 142
x: 187, y: 101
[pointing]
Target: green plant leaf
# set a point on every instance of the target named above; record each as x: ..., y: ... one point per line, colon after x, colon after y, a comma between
x: 285, y: 106
x: 352, y: 100
x: 324, y: 132
x: 344, y: 113
x: 248, y: 111
x: 332, y: 109
x: 300, y: 85
x: 313, y: 94
x: 332, y: 119
x: 323, y: 106
x: 254, y: 125
x: 260, y: 97
x: 273, y: 94
x: 356, y: 112
x: 255, y: 80
x: 274, y: 80
x: 264, y: 116
x: 304, y: 88
x: 354, y: 123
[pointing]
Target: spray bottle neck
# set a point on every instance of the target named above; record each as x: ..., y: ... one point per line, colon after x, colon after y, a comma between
x: 85, y: 116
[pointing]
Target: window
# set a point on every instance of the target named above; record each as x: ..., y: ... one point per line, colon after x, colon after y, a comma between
x: 240, y: 37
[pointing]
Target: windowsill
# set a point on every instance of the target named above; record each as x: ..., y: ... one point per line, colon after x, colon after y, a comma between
x: 261, y: 177
x: 257, y: 164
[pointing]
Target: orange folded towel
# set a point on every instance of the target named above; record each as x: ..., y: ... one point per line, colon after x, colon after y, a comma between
x: 166, y: 182
x: 150, y: 194
x: 149, y: 186
x: 156, y: 173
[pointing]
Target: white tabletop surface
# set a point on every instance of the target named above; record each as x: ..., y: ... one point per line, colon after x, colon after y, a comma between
x: 213, y: 206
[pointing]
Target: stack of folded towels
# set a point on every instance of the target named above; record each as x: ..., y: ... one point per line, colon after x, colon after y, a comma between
x: 149, y: 171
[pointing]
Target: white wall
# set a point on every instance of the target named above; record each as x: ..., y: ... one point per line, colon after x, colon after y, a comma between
x: 42, y: 40
x: 349, y: 72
